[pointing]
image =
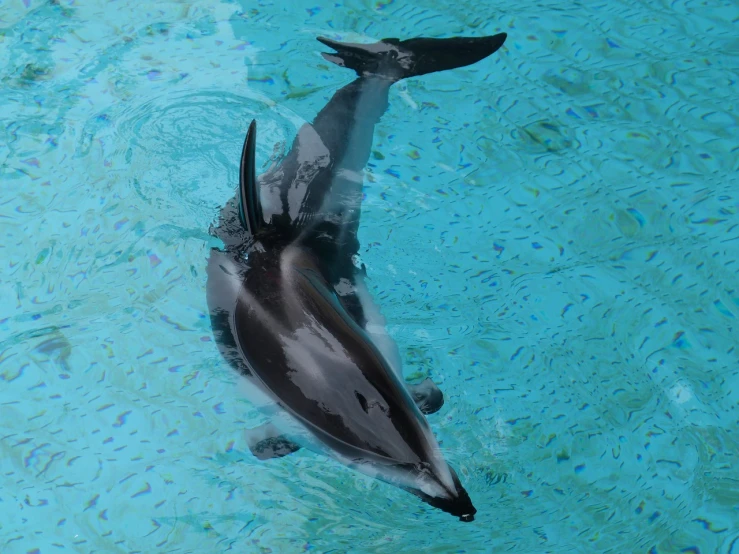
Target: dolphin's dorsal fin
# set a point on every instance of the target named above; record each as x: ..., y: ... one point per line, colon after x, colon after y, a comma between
x: 250, y: 208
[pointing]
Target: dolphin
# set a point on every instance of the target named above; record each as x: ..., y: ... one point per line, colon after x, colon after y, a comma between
x: 289, y: 307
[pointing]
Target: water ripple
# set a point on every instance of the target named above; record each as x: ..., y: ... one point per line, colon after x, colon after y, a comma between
x: 551, y: 235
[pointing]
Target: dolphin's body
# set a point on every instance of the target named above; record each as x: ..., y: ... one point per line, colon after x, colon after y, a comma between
x: 289, y: 307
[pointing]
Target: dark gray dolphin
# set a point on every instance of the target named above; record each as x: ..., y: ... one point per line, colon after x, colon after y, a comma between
x: 289, y: 308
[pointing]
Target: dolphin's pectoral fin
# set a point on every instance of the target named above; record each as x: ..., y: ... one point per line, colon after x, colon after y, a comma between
x: 427, y: 396
x: 266, y: 442
x: 273, y: 447
x: 250, y: 207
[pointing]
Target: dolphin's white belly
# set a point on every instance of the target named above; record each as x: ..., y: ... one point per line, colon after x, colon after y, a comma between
x: 376, y: 327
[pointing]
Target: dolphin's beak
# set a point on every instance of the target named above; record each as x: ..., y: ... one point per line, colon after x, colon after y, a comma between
x: 457, y: 503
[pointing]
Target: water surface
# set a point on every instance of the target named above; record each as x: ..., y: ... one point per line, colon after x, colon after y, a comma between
x: 551, y: 233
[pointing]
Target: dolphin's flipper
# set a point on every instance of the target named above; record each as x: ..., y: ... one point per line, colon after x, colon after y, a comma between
x: 250, y: 208
x: 394, y: 59
x: 266, y: 442
x: 427, y: 396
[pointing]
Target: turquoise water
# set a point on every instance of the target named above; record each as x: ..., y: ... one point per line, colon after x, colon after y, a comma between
x: 552, y: 235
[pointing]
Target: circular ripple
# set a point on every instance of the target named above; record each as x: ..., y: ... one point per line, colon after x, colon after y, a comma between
x: 179, y: 153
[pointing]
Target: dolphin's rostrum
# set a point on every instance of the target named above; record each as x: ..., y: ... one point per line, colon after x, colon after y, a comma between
x: 289, y: 307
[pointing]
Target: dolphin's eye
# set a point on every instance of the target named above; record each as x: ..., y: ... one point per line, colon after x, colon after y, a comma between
x: 424, y: 467
x: 362, y: 401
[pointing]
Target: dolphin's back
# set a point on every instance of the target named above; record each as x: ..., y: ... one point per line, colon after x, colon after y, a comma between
x: 320, y: 365
x: 316, y: 191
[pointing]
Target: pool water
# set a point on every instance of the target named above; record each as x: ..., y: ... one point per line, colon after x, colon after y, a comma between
x: 551, y: 233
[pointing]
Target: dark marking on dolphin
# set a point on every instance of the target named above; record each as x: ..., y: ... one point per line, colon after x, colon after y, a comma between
x: 289, y: 307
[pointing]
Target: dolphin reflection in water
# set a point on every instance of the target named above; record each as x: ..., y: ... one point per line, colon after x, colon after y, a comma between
x: 289, y: 307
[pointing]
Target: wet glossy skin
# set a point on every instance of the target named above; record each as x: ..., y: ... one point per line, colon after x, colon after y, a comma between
x: 284, y: 304
x: 291, y: 334
x: 301, y: 342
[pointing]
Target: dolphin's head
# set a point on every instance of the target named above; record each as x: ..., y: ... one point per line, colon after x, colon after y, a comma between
x: 432, y: 490
x: 300, y: 343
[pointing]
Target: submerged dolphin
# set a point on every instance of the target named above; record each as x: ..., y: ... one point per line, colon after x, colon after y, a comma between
x: 289, y: 307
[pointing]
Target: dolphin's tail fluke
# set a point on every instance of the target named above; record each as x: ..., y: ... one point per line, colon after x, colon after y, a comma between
x: 394, y: 59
